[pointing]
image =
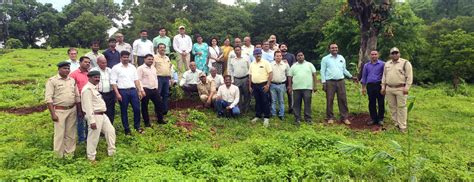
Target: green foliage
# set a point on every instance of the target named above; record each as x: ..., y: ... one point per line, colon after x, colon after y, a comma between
x: 13, y: 44
x: 86, y: 28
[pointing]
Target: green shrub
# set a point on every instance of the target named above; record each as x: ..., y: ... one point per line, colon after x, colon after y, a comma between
x: 13, y: 44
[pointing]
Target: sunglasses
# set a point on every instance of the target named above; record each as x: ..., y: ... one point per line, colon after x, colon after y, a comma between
x: 393, y: 53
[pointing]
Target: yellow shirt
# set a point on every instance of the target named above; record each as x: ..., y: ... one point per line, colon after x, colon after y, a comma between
x: 260, y: 71
x: 61, y: 91
x: 397, y: 73
x: 162, y: 65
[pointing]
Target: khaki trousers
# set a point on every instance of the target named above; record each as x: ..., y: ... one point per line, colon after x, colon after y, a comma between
x: 183, y: 61
x: 103, y: 125
x: 332, y: 88
x: 65, y: 132
x: 205, y: 97
x: 398, y: 106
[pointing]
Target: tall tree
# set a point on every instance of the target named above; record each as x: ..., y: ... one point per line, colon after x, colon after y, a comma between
x: 86, y: 28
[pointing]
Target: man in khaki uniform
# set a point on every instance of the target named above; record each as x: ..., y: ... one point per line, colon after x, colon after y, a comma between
x: 206, y: 89
x: 94, y: 107
x: 62, y: 97
x: 396, y: 81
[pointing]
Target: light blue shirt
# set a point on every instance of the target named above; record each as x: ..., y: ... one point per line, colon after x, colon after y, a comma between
x: 268, y: 55
x: 333, y: 68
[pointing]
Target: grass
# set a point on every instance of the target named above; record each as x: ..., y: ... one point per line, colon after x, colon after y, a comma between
x: 221, y: 149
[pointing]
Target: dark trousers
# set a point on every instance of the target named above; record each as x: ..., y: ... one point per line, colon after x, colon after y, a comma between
x: 336, y: 87
x: 290, y: 99
x: 243, y: 85
x: 299, y: 97
x: 221, y: 106
x: 262, y: 100
x: 109, y: 99
x: 130, y: 96
x: 373, y: 91
x: 140, y: 60
x: 189, y: 89
x: 164, y: 91
x: 153, y: 95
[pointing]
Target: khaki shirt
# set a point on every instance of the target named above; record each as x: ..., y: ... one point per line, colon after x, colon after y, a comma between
x: 280, y: 71
x: 162, y: 65
x: 260, y: 71
x: 207, y: 88
x: 91, y: 101
x: 61, y: 92
x: 397, y: 73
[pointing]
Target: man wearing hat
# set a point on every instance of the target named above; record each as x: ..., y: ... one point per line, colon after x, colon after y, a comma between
x: 260, y: 76
x: 206, y: 89
x: 64, y: 104
x: 182, y: 44
x: 396, y: 81
x: 94, y: 108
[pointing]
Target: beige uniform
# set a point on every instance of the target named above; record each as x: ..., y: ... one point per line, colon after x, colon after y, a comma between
x: 94, y: 107
x: 205, y: 90
x: 397, y: 76
x: 63, y: 94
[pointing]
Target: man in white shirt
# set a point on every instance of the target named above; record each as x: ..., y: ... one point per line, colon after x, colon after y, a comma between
x: 72, y: 53
x: 124, y: 80
x: 142, y: 47
x: 182, y: 44
x: 105, y: 88
x: 278, y: 87
x: 94, y: 53
x: 247, y: 48
x: 123, y: 46
x: 239, y: 70
x: 218, y: 79
x: 227, y: 99
x: 190, y: 79
x: 237, y: 43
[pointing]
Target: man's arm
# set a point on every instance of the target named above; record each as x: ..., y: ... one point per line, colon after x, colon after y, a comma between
x: 176, y: 45
x: 86, y: 101
x: 48, y: 96
x: 236, y: 99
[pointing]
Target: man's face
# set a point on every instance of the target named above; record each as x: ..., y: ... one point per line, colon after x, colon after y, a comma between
x: 192, y: 66
x: 112, y: 44
x: 163, y: 32
x: 227, y: 81
x: 258, y: 46
x: 64, y: 71
x: 72, y: 54
x: 395, y: 55
x: 238, y: 51
x: 85, y: 64
x: 95, y: 47
x: 124, y: 59
x: 149, y: 61
x: 203, y: 79
x: 213, y: 72
x: 266, y: 46
x: 144, y: 35
x: 119, y: 38
x: 374, y: 55
x: 102, y: 63
x: 278, y: 57
x: 258, y: 56
x: 182, y: 31
x: 333, y: 48
x: 94, y: 79
x: 237, y: 42
x: 283, y: 48
x: 161, y: 49
x: 300, y: 57
x: 247, y: 41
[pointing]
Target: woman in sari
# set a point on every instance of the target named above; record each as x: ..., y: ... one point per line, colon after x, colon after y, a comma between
x: 200, y: 51
x: 226, y: 49
x: 215, y: 56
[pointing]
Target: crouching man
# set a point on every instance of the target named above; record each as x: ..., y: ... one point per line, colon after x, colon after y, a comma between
x: 227, y: 99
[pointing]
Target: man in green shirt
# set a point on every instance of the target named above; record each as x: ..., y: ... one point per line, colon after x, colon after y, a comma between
x: 302, y: 87
x: 162, y: 38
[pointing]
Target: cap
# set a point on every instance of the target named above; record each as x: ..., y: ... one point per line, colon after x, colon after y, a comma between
x: 93, y: 73
x: 257, y: 51
x: 181, y: 27
x: 63, y: 63
x: 202, y: 74
x: 394, y: 49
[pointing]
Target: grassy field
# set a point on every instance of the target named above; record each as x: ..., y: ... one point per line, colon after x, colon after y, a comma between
x: 439, y: 146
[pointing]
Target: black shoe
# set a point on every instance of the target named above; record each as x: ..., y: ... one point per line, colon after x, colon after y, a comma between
x: 381, y: 123
x: 162, y: 122
x: 281, y: 118
x: 297, y: 123
x: 290, y: 111
x: 129, y: 133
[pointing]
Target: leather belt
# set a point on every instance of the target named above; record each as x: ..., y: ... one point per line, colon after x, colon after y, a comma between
x: 246, y: 76
x: 64, y: 107
x: 396, y: 86
x: 278, y: 83
x: 335, y: 80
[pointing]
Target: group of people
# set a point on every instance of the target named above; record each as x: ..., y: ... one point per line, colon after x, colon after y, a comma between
x: 82, y: 97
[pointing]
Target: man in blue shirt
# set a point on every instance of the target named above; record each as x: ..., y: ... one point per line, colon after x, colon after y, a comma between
x: 333, y: 72
x: 371, y: 78
x: 111, y: 54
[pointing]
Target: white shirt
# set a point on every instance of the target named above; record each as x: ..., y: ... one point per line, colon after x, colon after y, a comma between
x: 181, y: 43
x: 190, y: 77
x: 230, y: 94
x: 74, y: 65
x: 124, y: 77
x: 141, y: 48
x: 239, y: 67
x: 124, y: 47
x: 213, y: 52
x: 248, y: 50
x: 219, y: 79
x: 104, y: 84
x: 279, y: 71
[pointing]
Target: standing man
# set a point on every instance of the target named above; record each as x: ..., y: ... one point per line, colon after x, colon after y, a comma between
x: 207, y: 90
x: 239, y: 70
x: 80, y: 76
x: 260, y: 75
x: 333, y: 71
x: 74, y: 64
x: 183, y: 44
x: 247, y: 48
x: 95, y: 45
x: 124, y: 80
x: 237, y: 42
x: 227, y: 99
x: 267, y: 53
x: 111, y: 54
x: 149, y: 79
x: 217, y: 78
x: 164, y: 71
x: 121, y: 45
x: 105, y: 88
x: 162, y: 38
x: 301, y: 85
x: 142, y: 47
x: 396, y: 81
x: 372, y: 78
x: 277, y: 88
x: 190, y: 79
x: 62, y: 97
x: 290, y: 59
x: 94, y: 107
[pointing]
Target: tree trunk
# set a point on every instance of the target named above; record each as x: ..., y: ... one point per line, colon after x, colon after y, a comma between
x: 368, y: 42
